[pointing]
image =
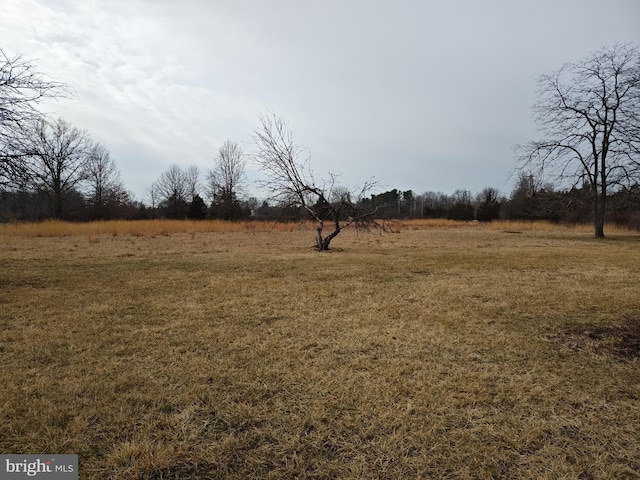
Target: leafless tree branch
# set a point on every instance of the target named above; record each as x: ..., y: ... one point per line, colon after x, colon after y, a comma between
x: 293, y: 183
x: 589, y: 111
x: 22, y: 90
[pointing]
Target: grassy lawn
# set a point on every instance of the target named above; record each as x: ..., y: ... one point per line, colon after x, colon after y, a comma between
x: 447, y: 351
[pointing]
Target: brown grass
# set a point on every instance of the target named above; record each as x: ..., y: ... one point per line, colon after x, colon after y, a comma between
x: 429, y: 353
x: 145, y: 228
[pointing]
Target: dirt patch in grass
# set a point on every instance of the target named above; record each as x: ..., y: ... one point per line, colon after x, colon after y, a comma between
x: 622, y: 341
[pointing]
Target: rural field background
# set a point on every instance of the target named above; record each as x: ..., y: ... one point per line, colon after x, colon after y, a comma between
x: 431, y: 350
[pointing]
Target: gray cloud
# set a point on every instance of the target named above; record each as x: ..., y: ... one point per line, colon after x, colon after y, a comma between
x: 421, y: 95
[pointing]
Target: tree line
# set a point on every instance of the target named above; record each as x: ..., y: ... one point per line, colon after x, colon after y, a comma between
x: 186, y: 194
x: 587, y: 168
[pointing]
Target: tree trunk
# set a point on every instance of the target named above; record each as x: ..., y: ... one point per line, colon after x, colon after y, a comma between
x: 328, y: 238
x: 599, y: 219
x: 319, y: 239
x: 322, y: 244
x: 600, y: 205
x: 57, y: 203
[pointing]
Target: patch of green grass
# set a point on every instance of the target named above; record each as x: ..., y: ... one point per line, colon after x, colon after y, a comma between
x: 434, y: 353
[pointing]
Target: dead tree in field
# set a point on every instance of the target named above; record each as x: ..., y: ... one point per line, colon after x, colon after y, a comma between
x: 291, y: 180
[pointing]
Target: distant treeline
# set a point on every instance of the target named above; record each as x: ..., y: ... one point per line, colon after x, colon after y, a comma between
x: 527, y: 201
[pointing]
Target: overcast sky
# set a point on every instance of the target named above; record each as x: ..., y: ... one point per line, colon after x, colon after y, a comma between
x: 421, y: 95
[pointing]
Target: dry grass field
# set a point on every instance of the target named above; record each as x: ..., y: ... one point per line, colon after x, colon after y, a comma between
x: 434, y: 350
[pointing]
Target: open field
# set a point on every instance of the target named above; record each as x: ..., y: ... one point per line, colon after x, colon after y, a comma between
x: 428, y: 351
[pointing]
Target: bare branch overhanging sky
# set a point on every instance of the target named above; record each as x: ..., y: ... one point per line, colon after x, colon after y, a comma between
x: 421, y: 95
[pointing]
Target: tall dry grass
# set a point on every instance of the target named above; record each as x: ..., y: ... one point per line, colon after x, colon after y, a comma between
x: 511, y: 225
x: 151, y: 228
x: 147, y: 228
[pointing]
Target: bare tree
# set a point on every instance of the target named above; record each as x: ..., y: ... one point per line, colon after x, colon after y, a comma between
x: 225, y: 179
x: 292, y: 182
x: 172, y: 182
x: 58, y: 158
x: 103, y: 178
x: 590, y: 113
x: 152, y: 195
x: 22, y: 89
x: 172, y: 189
x: 192, y: 178
x: 487, y: 204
